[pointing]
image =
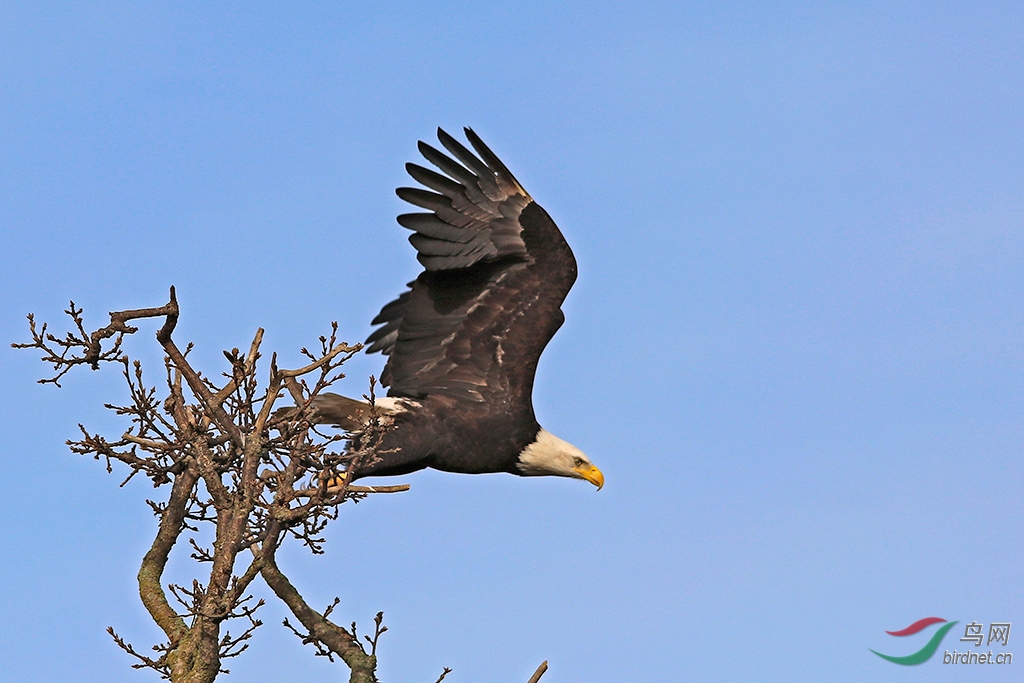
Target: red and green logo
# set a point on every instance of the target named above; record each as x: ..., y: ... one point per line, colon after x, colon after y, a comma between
x: 930, y: 647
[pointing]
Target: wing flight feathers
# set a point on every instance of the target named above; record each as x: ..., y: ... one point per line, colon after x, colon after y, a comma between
x: 503, y: 176
x: 472, y: 326
x: 474, y: 207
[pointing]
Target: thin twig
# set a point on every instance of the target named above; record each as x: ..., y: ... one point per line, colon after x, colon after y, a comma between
x: 396, y: 488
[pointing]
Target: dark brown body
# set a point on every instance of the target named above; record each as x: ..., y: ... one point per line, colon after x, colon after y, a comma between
x: 446, y: 436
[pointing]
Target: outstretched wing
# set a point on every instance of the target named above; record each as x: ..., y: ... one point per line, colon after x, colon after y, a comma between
x: 473, y: 325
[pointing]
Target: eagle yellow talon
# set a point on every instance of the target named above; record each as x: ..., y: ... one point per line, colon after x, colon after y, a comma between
x: 334, y: 479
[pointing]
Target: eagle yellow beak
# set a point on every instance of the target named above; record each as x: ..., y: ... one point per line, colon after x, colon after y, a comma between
x: 591, y: 474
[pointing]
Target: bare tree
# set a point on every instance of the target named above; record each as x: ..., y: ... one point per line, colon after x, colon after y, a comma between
x: 255, y: 475
x: 231, y: 463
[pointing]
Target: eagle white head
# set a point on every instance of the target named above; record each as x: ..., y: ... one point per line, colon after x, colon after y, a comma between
x: 548, y: 455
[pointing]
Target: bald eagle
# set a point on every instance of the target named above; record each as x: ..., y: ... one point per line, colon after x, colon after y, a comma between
x: 463, y: 341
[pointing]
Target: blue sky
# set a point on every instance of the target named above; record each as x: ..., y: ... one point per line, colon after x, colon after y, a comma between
x: 795, y: 347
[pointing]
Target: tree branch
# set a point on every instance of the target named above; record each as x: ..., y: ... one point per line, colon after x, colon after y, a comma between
x: 152, y: 569
x: 539, y: 672
x: 321, y: 630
